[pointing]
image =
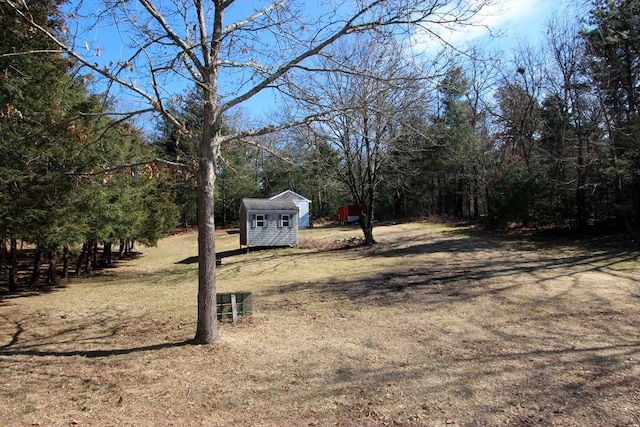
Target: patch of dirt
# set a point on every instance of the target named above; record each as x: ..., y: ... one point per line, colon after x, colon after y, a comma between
x: 329, y: 244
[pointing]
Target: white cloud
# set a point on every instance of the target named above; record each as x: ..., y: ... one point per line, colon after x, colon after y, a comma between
x: 503, y: 18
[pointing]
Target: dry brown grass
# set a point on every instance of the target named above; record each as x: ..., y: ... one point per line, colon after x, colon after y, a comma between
x: 433, y: 326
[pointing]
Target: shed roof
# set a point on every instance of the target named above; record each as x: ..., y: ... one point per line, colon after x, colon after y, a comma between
x: 268, y: 205
x: 289, y: 195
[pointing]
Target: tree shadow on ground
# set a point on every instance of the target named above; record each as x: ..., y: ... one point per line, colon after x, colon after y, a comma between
x: 42, y: 287
x: 68, y: 341
x: 470, y: 240
x: 535, y: 366
x: 25, y: 291
x: 225, y: 254
x: 464, y: 276
x: 511, y: 387
x: 93, y: 353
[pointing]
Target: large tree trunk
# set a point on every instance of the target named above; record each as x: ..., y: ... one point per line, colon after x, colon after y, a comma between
x: 367, y: 231
x: 207, y: 328
x: 366, y: 222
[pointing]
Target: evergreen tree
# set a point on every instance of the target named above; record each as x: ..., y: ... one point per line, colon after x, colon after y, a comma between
x: 36, y: 95
x: 59, y: 154
x: 613, y: 48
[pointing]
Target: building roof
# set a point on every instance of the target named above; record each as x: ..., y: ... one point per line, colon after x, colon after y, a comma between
x: 268, y: 205
x: 289, y: 195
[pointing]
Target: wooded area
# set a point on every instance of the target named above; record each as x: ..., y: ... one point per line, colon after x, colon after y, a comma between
x: 71, y: 177
x: 545, y: 136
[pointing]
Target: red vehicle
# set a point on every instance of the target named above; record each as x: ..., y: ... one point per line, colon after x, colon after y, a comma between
x: 350, y: 213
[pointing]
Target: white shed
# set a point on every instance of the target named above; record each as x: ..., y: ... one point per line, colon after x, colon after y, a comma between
x: 300, y: 201
x: 267, y: 223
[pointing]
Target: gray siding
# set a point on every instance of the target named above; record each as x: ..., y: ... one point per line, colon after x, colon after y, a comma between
x: 272, y: 232
x: 261, y: 223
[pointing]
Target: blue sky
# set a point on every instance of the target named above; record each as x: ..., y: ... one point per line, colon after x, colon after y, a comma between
x: 512, y: 21
x: 527, y: 19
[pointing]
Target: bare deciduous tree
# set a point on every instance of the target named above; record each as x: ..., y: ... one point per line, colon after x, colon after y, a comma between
x: 377, y: 92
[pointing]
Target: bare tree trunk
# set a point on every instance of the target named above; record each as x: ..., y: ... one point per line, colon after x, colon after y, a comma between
x: 207, y: 328
x: 367, y: 231
x: 121, y: 249
x: 13, y: 265
x: 81, y: 258
x: 52, y: 277
x: 37, y: 263
x: 94, y: 256
x: 106, y: 260
x: 65, y: 262
x: 366, y: 223
x: 3, y: 252
x: 88, y: 257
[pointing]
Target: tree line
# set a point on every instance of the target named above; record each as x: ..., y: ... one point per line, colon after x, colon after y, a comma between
x: 72, y: 178
x: 545, y: 138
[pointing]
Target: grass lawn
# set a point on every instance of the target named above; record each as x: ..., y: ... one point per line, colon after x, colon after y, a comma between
x: 432, y: 326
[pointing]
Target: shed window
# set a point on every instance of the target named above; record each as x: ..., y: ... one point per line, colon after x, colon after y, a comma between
x: 285, y: 220
x: 259, y: 220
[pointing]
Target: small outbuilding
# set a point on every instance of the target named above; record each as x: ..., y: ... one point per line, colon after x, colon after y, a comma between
x: 268, y: 223
x: 351, y: 213
x: 300, y: 201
